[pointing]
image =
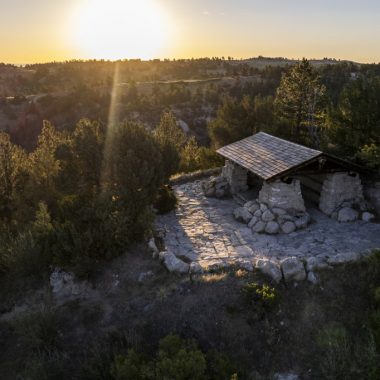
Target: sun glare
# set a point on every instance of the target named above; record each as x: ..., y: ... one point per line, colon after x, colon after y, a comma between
x: 114, y: 29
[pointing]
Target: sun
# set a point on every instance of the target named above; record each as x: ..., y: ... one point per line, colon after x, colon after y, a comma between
x: 116, y: 29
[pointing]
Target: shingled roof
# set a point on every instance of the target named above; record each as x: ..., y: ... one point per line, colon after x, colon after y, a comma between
x: 268, y: 156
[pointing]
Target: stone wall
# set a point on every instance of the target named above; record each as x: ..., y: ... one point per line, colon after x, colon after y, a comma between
x: 236, y: 176
x: 372, y: 193
x: 338, y: 189
x: 282, y: 195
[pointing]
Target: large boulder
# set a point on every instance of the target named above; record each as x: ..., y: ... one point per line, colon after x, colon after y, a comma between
x: 293, y: 269
x: 347, y: 214
x: 241, y: 214
x: 272, y: 228
x: 174, y: 264
x: 269, y: 268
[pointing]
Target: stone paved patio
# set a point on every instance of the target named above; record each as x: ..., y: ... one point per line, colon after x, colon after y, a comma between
x: 203, y: 230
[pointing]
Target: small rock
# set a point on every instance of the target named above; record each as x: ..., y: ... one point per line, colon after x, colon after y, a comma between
x: 258, y: 213
x: 174, y: 264
x: 302, y: 221
x: 263, y: 207
x: 267, y: 216
x: 312, y: 277
x: 293, y: 269
x: 245, y: 264
x: 367, y: 217
x: 259, y: 227
x: 270, y: 269
x: 144, y: 275
x: 248, y: 204
x: 285, y: 218
x: 285, y: 376
x: 195, y: 268
x: 278, y: 211
x: 347, y: 214
x: 253, y: 208
x: 241, y: 214
x: 313, y: 263
x: 272, y: 228
x: 253, y: 221
x: 210, y: 192
x: 288, y: 227
x: 153, y: 248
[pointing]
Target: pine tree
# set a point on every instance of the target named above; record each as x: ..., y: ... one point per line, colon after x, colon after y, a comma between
x: 300, y: 101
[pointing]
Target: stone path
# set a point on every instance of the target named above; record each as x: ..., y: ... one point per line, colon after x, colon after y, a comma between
x: 203, y: 230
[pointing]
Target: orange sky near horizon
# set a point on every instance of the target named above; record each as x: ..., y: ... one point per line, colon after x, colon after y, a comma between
x: 42, y: 30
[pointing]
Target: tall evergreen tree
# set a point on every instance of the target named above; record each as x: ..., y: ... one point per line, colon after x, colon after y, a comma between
x: 170, y: 139
x: 300, y: 101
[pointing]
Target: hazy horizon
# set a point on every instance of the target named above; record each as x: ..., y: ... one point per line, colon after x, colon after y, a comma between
x: 45, y: 31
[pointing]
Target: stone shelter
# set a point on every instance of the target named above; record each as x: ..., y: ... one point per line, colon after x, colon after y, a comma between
x: 286, y: 174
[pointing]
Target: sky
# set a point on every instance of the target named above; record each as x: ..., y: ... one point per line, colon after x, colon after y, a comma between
x: 47, y: 30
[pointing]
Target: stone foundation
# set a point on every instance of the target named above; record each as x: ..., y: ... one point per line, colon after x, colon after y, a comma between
x: 217, y: 187
x: 340, y: 190
x: 262, y: 218
x: 236, y: 177
x: 282, y: 195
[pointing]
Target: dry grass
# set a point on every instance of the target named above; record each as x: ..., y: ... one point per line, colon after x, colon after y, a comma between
x: 213, y: 277
x: 241, y: 273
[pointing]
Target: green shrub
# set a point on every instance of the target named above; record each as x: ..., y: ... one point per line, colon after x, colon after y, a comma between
x: 342, y: 358
x: 39, y: 330
x: 370, y: 155
x: 219, y: 366
x: 261, y: 298
x: 165, y: 200
x: 376, y: 296
x: 179, y: 360
x: 131, y: 366
x: 46, y: 366
x: 375, y: 326
x: 29, y: 252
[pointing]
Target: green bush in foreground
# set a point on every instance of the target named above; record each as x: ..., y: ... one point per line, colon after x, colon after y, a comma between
x: 343, y: 358
x: 176, y: 359
x: 261, y: 298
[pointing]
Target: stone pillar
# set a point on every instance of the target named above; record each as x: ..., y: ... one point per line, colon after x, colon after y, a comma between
x: 236, y: 176
x: 283, y: 195
x: 339, y: 188
x: 372, y: 193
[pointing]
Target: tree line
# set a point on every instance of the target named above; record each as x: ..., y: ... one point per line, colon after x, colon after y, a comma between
x: 336, y: 112
x: 84, y: 196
